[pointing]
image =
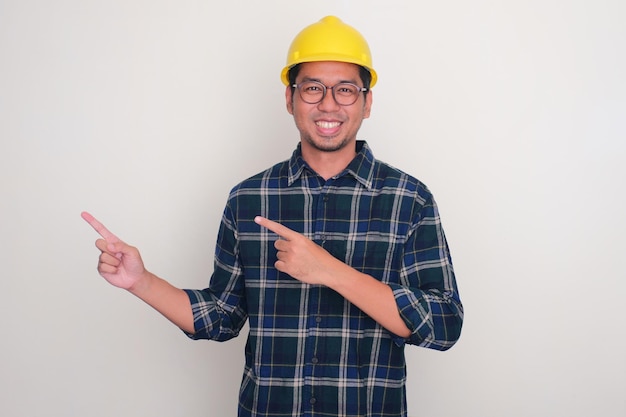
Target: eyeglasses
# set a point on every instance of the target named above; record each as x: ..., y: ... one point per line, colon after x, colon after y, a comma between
x: 313, y: 92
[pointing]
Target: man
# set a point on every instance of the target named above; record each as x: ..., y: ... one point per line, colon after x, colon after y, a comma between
x: 336, y: 259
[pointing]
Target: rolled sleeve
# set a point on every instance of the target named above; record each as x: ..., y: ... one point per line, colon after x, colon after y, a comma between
x: 427, y: 297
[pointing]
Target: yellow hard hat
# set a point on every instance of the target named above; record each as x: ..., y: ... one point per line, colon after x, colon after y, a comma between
x: 329, y: 40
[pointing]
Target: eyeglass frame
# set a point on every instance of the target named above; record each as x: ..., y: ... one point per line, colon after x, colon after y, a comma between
x: 325, y: 89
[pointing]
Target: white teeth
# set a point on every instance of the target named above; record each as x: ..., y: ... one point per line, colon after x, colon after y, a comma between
x: 327, y: 125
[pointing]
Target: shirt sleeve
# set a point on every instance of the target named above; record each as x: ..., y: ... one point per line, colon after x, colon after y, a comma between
x: 219, y: 311
x: 427, y: 295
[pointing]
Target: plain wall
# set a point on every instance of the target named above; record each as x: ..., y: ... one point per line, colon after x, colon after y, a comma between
x: 146, y: 113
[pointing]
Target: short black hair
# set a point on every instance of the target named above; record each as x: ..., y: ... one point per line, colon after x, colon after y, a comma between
x: 364, y: 73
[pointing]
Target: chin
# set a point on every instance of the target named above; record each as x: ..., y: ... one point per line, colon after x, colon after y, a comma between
x: 328, y: 145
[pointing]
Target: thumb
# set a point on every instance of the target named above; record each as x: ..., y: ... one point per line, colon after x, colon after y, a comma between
x: 119, y: 248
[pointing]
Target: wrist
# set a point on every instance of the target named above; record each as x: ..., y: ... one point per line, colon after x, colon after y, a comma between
x: 339, y: 275
x: 142, y: 284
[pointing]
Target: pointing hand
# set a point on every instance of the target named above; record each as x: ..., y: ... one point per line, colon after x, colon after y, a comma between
x: 299, y: 256
x: 119, y: 263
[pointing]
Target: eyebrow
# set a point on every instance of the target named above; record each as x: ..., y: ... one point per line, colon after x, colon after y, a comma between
x: 320, y: 81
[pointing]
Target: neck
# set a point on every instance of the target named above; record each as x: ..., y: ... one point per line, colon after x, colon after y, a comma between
x: 328, y: 163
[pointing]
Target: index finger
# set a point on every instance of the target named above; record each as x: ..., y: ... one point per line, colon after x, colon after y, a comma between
x: 282, y: 231
x: 99, y: 227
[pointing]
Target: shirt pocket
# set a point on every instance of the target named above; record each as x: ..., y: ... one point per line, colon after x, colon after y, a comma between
x: 372, y: 253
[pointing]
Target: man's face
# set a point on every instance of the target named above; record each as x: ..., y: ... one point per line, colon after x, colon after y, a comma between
x: 327, y: 126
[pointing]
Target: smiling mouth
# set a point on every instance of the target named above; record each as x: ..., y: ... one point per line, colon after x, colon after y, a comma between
x: 327, y: 125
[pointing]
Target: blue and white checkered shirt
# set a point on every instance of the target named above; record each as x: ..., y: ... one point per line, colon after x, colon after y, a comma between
x: 310, y: 352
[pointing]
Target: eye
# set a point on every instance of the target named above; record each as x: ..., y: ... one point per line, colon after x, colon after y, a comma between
x: 346, y: 89
x: 312, y: 88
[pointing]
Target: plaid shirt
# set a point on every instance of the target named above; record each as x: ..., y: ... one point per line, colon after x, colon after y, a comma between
x: 310, y: 352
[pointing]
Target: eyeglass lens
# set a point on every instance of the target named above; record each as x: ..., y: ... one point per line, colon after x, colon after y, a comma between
x: 313, y: 92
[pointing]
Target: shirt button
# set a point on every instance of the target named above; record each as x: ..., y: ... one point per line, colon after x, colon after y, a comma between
x: 312, y: 401
x: 318, y: 319
x: 314, y: 360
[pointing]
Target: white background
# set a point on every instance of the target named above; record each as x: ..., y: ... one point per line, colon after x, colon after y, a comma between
x: 146, y: 113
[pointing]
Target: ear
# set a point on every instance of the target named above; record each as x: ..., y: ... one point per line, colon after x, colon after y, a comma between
x: 289, y: 99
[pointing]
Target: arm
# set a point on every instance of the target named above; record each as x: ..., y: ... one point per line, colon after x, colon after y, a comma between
x: 427, y: 294
x: 121, y: 265
x: 373, y: 297
x: 308, y: 262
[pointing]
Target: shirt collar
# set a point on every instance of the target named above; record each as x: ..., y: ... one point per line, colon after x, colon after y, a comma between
x: 361, y: 167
